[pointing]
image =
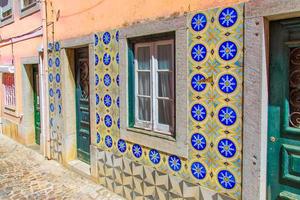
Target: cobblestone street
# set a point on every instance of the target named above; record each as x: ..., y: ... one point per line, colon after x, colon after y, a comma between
x: 25, y: 174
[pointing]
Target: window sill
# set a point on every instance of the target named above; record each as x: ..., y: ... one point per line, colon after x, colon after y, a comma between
x: 9, y: 110
x: 33, y: 8
x: 151, y: 139
x: 6, y: 21
x: 177, y: 145
x: 152, y: 133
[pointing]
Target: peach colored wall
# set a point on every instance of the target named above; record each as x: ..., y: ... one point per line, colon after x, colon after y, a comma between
x: 26, y: 48
x: 18, y: 27
x: 78, y: 17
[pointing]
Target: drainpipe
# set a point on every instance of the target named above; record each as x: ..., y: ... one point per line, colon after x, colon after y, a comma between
x: 44, y: 84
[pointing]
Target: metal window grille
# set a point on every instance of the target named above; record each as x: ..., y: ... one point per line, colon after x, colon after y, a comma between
x: 9, y: 90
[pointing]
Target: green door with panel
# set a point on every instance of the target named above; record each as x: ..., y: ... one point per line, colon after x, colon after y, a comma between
x: 284, y: 111
x: 82, y: 104
x: 36, y: 103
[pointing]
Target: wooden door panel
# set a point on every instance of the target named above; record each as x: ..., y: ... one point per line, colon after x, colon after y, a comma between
x: 36, y: 104
x: 82, y: 104
x: 290, y: 164
x: 284, y: 111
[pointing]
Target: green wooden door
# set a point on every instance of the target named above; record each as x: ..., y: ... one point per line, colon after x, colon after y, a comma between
x: 284, y: 111
x: 82, y: 104
x: 36, y: 103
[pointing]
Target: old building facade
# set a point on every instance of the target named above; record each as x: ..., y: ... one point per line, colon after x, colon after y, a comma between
x: 159, y: 99
x: 21, y: 39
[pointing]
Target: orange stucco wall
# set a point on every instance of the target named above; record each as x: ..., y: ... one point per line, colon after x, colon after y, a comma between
x: 74, y: 18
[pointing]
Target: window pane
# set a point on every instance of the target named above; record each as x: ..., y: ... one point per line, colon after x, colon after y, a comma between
x: 3, y: 3
x: 143, y: 58
x: 144, y: 111
x: 164, y: 84
x: 6, y: 13
x: 28, y: 2
x: 144, y: 83
x: 164, y: 112
x: 164, y: 56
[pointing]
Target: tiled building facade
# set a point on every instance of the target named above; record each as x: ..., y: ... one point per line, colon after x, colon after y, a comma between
x: 168, y: 104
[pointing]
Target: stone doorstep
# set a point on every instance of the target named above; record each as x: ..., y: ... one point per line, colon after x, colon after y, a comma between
x: 80, y: 168
x: 35, y: 147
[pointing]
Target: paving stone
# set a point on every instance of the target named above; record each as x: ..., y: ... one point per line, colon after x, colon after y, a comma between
x: 25, y: 174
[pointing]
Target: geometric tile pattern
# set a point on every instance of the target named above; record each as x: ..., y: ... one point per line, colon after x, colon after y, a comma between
x: 215, y: 64
x: 106, y: 51
x: 55, y: 101
x: 134, y: 180
x: 215, y: 40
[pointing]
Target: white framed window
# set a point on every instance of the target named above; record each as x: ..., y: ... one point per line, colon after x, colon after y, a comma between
x: 8, y: 82
x: 27, y: 3
x: 6, y: 9
x: 154, y: 86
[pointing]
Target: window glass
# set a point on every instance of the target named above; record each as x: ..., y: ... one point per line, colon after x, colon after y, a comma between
x: 3, y: 3
x: 143, y: 58
x: 164, y: 56
x: 144, y: 108
x: 27, y: 3
x: 164, y: 84
x: 6, y: 9
x: 144, y: 83
x: 164, y: 112
x: 154, y: 70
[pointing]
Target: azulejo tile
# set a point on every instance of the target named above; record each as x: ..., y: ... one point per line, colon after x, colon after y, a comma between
x: 198, y: 22
x: 109, y: 183
x: 190, y: 190
x: 222, y: 39
x: 162, y: 194
x: 101, y: 169
x: 215, y: 65
x: 175, y: 185
x: 118, y: 188
x: 138, y: 170
x: 138, y: 186
x: 127, y: 192
x: 149, y: 175
x: 149, y: 190
x: 127, y: 165
x: 109, y: 172
x: 55, y: 100
x: 162, y: 180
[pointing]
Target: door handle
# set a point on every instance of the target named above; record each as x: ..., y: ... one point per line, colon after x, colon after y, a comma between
x: 272, y: 139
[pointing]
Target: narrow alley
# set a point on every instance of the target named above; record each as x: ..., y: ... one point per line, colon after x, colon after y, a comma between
x: 25, y: 174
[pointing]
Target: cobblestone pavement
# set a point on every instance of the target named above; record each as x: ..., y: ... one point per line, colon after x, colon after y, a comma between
x: 25, y: 174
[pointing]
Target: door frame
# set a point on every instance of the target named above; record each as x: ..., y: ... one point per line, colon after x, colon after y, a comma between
x: 36, y: 70
x: 258, y: 14
x: 279, y: 110
x: 69, y: 147
x: 78, y: 106
x: 27, y: 125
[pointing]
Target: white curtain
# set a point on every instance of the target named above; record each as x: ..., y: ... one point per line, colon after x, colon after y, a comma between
x: 165, y: 106
x: 144, y: 103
